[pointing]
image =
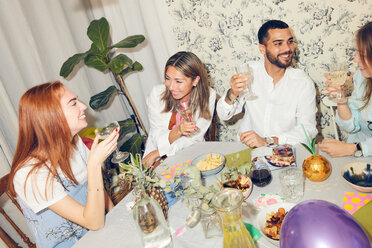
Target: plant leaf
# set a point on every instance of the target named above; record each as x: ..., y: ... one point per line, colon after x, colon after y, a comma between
x: 307, y: 148
x: 136, y: 66
x: 129, y: 42
x: 313, y: 145
x: 308, y: 139
x: 133, y: 145
x: 96, y: 61
x: 119, y: 63
x: 101, y: 99
x: 98, y: 33
x: 70, y: 64
x: 126, y: 126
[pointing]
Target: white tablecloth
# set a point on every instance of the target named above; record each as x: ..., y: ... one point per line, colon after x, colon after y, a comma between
x: 120, y: 230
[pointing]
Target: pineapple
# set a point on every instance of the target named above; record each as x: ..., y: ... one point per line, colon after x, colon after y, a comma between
x: 148, y: 178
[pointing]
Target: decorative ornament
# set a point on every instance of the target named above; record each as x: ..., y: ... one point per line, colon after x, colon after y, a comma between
x: 315, y: 167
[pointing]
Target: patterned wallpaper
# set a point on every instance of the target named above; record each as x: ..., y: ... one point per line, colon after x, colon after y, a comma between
x: 223, y: 33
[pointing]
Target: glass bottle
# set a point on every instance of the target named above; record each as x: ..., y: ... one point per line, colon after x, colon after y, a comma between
x: 228, y: 204
x: 150, y: 221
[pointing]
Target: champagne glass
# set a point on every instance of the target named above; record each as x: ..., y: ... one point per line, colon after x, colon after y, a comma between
x: 185, y: 111
x: 338, y: 73
x: 246, y: 71
x: 104, y: 132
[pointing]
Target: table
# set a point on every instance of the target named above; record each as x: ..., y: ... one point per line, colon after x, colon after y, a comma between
x: 120, y: 230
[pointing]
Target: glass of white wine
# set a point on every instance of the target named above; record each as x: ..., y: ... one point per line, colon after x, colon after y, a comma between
x: 246, y: 71
x: 104, y: 132
x: 338, y: 73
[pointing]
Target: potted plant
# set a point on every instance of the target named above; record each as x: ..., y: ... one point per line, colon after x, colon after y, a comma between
x: 102, y: 57
x: 315, y: 167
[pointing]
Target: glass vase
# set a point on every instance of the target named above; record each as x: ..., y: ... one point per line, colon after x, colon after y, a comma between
x: 210, y: 223
x: 228, y: 204
x: 150, y: 221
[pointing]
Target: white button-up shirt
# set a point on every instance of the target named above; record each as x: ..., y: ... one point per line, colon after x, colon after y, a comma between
x: 280, y: 109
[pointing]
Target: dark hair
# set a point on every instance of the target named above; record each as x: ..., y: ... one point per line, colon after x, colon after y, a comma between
x: 191, y: 66
x: 264, y: 29
x: 364, y: 44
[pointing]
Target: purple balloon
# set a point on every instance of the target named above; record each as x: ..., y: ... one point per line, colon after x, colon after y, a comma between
x: 321, y: 224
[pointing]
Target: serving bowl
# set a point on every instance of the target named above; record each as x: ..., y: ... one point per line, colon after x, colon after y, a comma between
x: 214, y: 171
x: 261, y: 218
x: 358, y: 175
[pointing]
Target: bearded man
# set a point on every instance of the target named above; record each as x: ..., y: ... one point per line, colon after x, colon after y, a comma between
x: 285, y: 96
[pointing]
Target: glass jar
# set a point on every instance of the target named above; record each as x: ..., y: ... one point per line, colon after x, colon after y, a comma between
x: 228, y: 204
x: 150, y: 221
x: 210, y: 223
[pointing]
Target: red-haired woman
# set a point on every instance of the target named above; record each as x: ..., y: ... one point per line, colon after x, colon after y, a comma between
x: 57, y: 181
x: 356, y: 115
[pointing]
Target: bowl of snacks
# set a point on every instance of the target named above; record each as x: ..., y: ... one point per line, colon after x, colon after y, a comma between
x: 270, y: 219
x: 209, y: 164
x: 358, y: 175
x: 244, y: 183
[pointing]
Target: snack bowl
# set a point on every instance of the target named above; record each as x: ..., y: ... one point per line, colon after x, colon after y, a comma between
x: 261, y: 218
x: 244, y: 183
x: 358, y: 175
x: 215, y: 170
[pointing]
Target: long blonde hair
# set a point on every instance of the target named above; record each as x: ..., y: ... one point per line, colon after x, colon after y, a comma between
x: 43, y: 135
x: 191, y: 66
x: 364, y: 44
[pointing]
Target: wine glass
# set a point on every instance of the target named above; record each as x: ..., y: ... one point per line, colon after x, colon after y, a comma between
x: 338, y: 73
x: 246, y: 71
x: 104, y: 132
x: 186, y: 112
x: 261, y: 174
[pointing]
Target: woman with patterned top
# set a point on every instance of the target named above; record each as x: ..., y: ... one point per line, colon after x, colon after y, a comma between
x: 55, y: 178
x: 355, y: 116
x: 186, y: 87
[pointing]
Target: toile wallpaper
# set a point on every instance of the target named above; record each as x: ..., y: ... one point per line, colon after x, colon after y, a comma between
x: 223, y: 33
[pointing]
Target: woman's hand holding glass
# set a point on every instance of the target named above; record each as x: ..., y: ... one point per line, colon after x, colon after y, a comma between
x: 187, y: 127
x: 336, y: 78
x: 101, y: 150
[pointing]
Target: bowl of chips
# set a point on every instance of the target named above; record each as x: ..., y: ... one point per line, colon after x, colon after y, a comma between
x: 209, y: 164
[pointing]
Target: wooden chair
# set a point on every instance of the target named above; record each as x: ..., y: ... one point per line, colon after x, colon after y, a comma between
x: 3, y: 235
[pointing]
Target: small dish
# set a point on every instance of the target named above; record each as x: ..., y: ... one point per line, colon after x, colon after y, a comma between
x: 246, y: 182
x: 359, y: 176
x: 261, y: 218
x: 211, y: 172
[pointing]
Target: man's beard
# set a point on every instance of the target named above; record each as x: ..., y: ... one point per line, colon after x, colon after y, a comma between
x: 275, y: 60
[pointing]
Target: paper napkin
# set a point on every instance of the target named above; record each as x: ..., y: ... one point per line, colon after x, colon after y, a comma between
x: 238, y: 158
x: 353, y: 201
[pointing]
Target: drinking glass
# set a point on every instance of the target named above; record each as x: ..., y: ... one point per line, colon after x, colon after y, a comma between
x: 246, y: 71
x: 104, y: 132
x: 338, y: 73
x: 186, y: 112
x: 292, y: 184
x: 261, y: 175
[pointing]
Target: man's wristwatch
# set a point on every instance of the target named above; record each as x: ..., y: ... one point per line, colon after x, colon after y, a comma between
x: 269, y: 141
x: 358, y: 153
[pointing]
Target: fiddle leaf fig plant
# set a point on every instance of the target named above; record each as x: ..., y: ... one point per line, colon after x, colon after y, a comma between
x: 102, y: 56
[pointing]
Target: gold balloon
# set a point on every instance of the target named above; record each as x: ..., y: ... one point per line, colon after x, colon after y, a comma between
x: 317, y: 168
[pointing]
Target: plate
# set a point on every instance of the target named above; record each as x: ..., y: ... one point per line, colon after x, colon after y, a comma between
x: 212, y: 171
x: 279, y: 161
x: 356, y: 175
x: 261, y: 218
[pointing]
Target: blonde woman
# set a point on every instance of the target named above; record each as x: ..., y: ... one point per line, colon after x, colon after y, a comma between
x: 355, y: 116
